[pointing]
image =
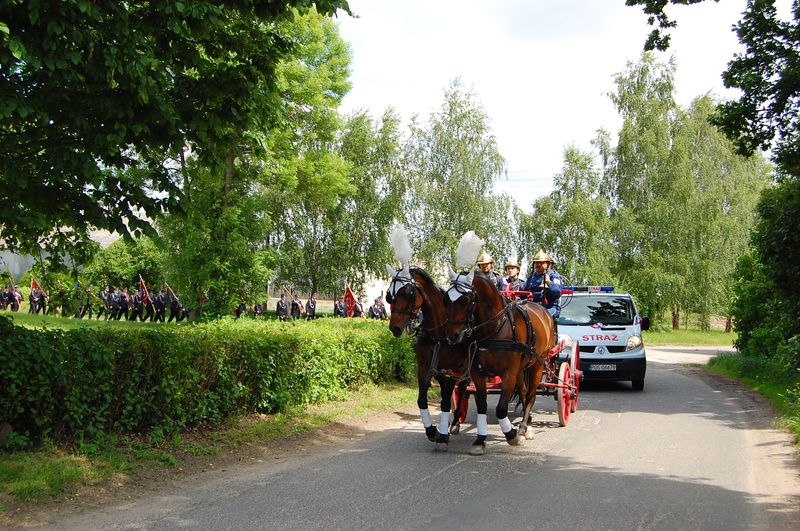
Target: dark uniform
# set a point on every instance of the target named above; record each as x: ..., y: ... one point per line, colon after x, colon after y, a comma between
x: 311, y: 308
x: 281, y: 309
x: 358, y: 309
x: 338, y: 309
x: 377, y: 310
x: 297, y: 308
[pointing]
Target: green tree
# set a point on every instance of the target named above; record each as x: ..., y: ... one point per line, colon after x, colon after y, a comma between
x: 121, y: 263
x: 90, y: 89
x: 571, y: 223
x: 452, y: 162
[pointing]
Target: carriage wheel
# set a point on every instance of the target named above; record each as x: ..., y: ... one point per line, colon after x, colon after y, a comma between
x: 575, y: 368
x: 564, y: 394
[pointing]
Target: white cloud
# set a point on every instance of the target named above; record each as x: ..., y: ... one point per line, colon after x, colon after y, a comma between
x: 542, y: 69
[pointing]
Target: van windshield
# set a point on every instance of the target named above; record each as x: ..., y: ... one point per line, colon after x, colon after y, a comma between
x: 591, y: 309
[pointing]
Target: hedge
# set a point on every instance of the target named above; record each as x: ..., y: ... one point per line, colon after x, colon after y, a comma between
x: 89, y: 382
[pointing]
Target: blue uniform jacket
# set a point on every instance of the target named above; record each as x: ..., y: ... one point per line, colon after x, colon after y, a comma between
x: 551, y: 295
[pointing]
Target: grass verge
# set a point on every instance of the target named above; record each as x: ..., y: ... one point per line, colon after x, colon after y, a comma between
x: 53, y: 470
x: 688, y: 337
x: 769, y: 378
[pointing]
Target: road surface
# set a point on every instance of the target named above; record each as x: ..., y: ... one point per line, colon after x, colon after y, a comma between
x: 692, y: 451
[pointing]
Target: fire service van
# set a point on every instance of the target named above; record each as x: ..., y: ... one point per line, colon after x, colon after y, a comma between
x: 608, y: 330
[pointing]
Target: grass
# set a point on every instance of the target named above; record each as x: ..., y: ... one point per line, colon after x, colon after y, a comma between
x: 52, y: 470
x: 688, y: 337
x: 68, y: 323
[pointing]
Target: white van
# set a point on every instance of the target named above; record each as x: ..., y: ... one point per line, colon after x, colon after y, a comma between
x: 608, y: 329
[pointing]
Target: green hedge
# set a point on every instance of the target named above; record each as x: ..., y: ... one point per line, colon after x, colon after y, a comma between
x: 88, y: 382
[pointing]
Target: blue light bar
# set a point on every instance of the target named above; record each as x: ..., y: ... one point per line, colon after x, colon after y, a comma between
x: 590, y: 289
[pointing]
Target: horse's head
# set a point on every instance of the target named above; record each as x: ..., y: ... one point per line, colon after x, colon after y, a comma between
x: 459, y: 303
x: 404, y: 299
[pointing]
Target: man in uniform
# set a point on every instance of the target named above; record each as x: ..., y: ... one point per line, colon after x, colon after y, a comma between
x: 160, y: 306
x: 545, y: 283
x: 105, y: 302
x: 297, y: 307
x: 281, y: 309
x: 311, y: 308
x: 486, y: 265
x: 88, y: 303
x: 339, y: 309
x: 358, y: 309
x: 377, y: 310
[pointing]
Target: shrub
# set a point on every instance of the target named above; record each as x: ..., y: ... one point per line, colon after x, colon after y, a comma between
x: 88, y: 382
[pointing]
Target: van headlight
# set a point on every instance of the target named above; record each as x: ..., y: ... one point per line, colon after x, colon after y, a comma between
x: 634, y: 341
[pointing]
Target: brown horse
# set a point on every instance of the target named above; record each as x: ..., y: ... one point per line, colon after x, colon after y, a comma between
x: 410, y: 292
x: 511, y: 338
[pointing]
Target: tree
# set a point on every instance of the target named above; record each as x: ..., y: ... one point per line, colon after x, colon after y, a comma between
x: 451, y: 161
x: 91, y: 89
x: 571, y: 223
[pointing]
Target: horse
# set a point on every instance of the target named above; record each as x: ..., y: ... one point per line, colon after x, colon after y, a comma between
x: 411, y: 291
x: 511, y: 339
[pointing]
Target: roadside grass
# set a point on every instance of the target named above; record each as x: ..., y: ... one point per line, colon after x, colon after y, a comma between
x: 688, y: 337
x: 769, y: 378
x: 52, y: 470
x: 53, y: 322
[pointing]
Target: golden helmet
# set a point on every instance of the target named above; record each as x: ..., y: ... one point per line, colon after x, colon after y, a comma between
x: 485, y: 258
x: 512, y: 263
x: 542, y: 256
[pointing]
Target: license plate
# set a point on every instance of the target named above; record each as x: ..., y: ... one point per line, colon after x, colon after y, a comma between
x: 602, y: 367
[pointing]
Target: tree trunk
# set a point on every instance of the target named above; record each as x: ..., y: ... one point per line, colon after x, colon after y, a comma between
x: 728, y: 325
x: 676, y: 318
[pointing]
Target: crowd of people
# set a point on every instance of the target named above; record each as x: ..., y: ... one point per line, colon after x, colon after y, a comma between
x: 117, y: 304
x: 295, y: 309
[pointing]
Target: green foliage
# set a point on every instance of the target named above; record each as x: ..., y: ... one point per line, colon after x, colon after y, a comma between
x: 452, y: 161
x: 96, y: 96
x: 83, y: 384
x: 121, y: 263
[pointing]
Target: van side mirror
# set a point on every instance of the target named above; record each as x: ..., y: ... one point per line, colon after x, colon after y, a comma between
x: 645, y: 323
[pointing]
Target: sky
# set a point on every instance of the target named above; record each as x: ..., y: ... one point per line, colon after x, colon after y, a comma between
x: 542, y: 69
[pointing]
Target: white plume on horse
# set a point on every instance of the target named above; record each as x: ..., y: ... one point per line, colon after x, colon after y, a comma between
x: 468, y: 249
x: 401, y: 244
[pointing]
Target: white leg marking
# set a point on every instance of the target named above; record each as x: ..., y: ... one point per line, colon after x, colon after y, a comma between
x: 426, y: 418
x: 482, y: 424
x: 505, y: 425
x: 444, y: 422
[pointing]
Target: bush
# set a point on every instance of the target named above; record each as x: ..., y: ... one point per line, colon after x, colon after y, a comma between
x: 88, y: 382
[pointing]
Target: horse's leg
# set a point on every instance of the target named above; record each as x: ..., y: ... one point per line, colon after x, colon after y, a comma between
x: 479, y: 446
x: 533, y: 380
x: 424, y: 382
x: 443, y: 434
x: 460, y: 407
x: 523, y: 388
x: 509, y: 383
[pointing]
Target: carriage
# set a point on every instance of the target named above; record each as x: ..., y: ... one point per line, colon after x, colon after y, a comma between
x: 561, y: 380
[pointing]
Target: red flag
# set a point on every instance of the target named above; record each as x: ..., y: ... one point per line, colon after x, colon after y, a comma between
x: 34, y: 284
x: 145, y: 295
x: 349, y: 301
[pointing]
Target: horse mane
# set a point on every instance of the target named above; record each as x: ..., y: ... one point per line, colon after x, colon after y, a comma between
x: 491, y: 285
x: 426, y: 278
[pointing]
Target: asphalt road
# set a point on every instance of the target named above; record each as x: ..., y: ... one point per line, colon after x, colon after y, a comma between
x: 692, y: 451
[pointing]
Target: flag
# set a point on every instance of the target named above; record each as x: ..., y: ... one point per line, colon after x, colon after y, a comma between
x: 35, y: 284
x: 145, y: 295
x: 349, y: 301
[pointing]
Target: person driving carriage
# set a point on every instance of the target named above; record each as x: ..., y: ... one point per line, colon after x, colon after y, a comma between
x: 544, y: 283
x: 486, y: 264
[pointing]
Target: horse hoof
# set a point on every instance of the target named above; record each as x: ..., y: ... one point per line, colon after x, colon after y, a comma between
x: 477, y: 449
x: 441, y: 447
x: 430, y: 432
x: 455, y: 429
x: 510, y: 436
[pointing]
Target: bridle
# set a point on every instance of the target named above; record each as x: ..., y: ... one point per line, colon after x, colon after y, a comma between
x: 408, y: 287
x: 461, y: 288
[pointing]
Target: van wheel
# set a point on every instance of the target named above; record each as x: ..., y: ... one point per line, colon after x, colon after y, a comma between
x: 637, y: 385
